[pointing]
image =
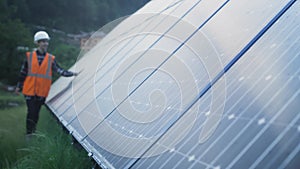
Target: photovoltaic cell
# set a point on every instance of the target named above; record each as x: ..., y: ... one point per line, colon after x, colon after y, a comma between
x: 206, y: 108
x: 143, y: 147
x: 84, y: 85
x: 260, y: 112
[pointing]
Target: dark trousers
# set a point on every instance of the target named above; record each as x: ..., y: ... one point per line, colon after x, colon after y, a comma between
x: 34, y: 105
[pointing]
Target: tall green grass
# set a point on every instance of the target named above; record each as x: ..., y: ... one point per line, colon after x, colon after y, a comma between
x: 12, y: 128
x: 49, y: 148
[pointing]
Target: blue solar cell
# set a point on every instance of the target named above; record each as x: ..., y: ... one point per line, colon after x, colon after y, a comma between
x: 200, y: 84
x: 263, y: 94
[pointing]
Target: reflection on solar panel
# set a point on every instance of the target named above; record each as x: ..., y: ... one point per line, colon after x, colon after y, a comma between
x: 190, y: 84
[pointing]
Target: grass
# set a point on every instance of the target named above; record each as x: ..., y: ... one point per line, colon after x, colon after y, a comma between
x: 49, y: 148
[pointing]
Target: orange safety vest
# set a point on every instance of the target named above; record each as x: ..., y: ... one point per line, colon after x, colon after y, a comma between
x: 39, y: 77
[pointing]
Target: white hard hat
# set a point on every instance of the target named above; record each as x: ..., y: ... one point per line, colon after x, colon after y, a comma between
x: 41, y: 35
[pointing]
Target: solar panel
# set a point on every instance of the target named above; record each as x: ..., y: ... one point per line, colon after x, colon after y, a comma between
x: 261, y: 116
x: 190, y: 84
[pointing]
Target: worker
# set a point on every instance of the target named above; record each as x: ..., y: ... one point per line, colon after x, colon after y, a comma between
x: 36, y: 77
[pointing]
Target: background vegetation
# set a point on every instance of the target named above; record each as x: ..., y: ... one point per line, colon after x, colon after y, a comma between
x: 63, y: 20
x: 20, y: 19
x: 50, y: 148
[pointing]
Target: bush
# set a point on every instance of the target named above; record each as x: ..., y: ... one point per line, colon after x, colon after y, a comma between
x: 50, y: 148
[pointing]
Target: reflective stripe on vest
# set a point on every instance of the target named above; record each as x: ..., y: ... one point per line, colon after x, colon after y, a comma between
x: 39, y: 76
x: 45, y: 76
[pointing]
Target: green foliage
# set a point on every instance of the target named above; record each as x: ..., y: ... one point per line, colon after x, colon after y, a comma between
x: 13, y: 34
x: 20, y: 19
x: 65, y: 55
x: 50, y: 148
x: 73, y: 15
x: 12, y: 128
x: 18, y: 22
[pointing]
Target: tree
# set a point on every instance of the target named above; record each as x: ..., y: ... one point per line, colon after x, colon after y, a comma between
x: 13, y: 34
x: 19, y: 18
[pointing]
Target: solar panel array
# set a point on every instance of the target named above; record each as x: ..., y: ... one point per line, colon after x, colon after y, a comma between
x: 190, y: 84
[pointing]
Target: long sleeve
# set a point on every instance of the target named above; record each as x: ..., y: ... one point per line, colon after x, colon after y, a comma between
x: 23, y: 74
x: 61, y: 71
x: 55, y: 67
